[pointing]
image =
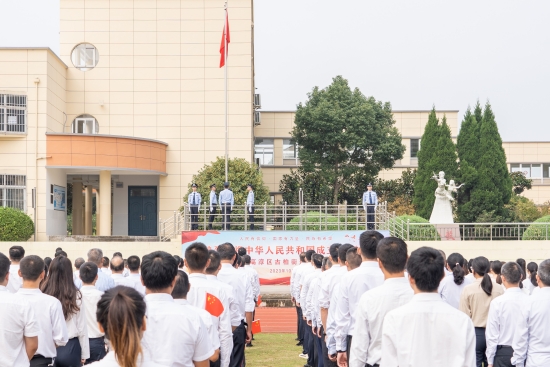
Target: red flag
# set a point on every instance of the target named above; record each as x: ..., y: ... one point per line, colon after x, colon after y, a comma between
x: 225, y: 37
x: 213, y: 305
x: 259, y: 302
x: 256, y: 327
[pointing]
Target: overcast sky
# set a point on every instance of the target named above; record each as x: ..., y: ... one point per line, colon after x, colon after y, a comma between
x: 413, y: 53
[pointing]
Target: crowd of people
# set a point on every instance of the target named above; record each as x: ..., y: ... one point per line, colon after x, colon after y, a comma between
x: 158, y: 310
x: 377, y: 305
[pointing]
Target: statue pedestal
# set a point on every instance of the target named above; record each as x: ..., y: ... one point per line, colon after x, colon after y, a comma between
x: 442, y: 212
x: 448, y: 232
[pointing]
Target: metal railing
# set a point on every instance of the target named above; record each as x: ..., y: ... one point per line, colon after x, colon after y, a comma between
x: 278, y: 217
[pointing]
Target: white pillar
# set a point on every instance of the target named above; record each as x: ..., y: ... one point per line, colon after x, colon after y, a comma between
x: 88, y: 211
x: 77, y: 209
x: 97, y: 212
x: 105, y: 198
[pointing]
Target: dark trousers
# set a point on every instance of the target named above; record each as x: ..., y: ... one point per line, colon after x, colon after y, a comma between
x: 319, y: 353
x: 503, y: 356
x: 327, y: 362
x: 226, y: 215
x: 251, y: 217
x: 69, y: 355
x: 310, y: 345
x: 212, y: 215
x: 481, y: 346
x: 370, y: 216
x: 300, y: 326
x: 237, y: 354
x: 40, y: 361
x: 315, y: 358
x: 348, y: 349
x: 97, y: 350
x: 194, y: 209
x: 218, y: 363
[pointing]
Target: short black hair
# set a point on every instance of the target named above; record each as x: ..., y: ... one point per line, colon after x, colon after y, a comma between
x: 88, y: 272
x: 4, y: 266
x: 226, y: 251
x: 133, y: 263
x: 368, y: 242
x: 117, y: 254
x: 302, y: 257
x: 317, y: 260
x: 241, y: 251
x: 58, y: 249
x: 119, y: 267
x: 31, y: 267
x: 392, y: 253
x: 512, y: 272
x: 215, y: 260
x: 181, y: 288
x: 106, y: 261
x: 309, y: 253
x: 247, y: 259
x: 60, y: 253
x: 158, y: 270
x: 353, y: 258
x: 78, y: 262
x: 544, y: 272
x: 179, y: 260
x: 196, y: 256
x: 237, y: 261
x: 16, y: 253
x: 425, y: 266
x: 343, y: 250
x: 333, y: 250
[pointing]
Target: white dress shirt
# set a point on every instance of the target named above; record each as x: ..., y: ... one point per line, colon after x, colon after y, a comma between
x: 255, y: 280
x: 527, y: 286
x: 222, y: 324
x: 77, y: 328
x: 330, y: 280
x: 110, y: 361
x: 531, y: 340
x: 307, y: 293
x: 503, y: 320
x: 175, y: 335
x: 49, y: 314
x: 242, y: 291
x: 292, y: 277
x: 450, y: 291
x: 104, y: 281
x: 233, y: 304
x: 18, y: 321
x: 120, y: 279
x: 300, y: 269
x: 314, y: 310
x: 369, y: 316
x: 352, y: 286
x: 106, y: 271
x: 305, y: 281
x: 136, y: 278
x: 90, y: 297
x: 206, y: 318
x: 330, y: 327
x: 15, y: 282
x: 427, y: 332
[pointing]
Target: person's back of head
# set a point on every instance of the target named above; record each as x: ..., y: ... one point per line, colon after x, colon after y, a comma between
x: 117, y: 264
x: 105, y: 262
x: 121, y: 314
x: 31, y: 267
x: 392, y: 254
x: 481, y: 267
x: 215, y: 261
x: 456, y: 262
x: 511, y: 273
x: 241, y: 251
x: 523, y: 264
x: 532, y: 268
x: 444, y: 257
x: 226, y: 251
x: 425, y: 267
x: 95, y: 255
x: 88, y: 273
x: 181, y: 287
x: 495, y: 269
x: 317, y: 260
x: 133, y: 263
x: 247, y: 259
x: 47, y: 262
x: 368, y: 241
x: 119, y: 254
x: 60, y: 253
x: 342, y: 251
x: 16, y: 253
x: 327, y: 263
x: 179, y: 260
x: 78, y: 263
x: 242, y: 263
x: 544, y: 273
x: 302, y: 257
x: 353, y: 258
x: 196, y: 256
x: 4, y: 267
x: 237, y: 262
x: 333, y: 251
x: 309, y: 253
x: 60, y: 284
x: 158, y: 270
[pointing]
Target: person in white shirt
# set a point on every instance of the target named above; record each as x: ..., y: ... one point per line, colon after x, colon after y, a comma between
x: 59, y: 284
x: 175, y: 335
x: 106, y: 268
x: 255, y: 279
x: 374, y: 304
x: 294, y: 275
x: 452, y: 285
x: 133, y: 265
x: 90, y: 298
x: 19, y: 328
x: 76, y: 273
x: 352, y: 285
x: 197, y: 258
x: 121, y: 317
x: 117, y: 269
x: 427, y: 331
x: 309, y: 313
x: 104, y: 281
x: 301, y: 284
x: 530, y: 282
x: 445, y: 268
x: 242, y: 292
x: 530, y: 343
x: 16, y: 253
x: 47, y: 310
x: 125, y: 272
x: 179, y: 293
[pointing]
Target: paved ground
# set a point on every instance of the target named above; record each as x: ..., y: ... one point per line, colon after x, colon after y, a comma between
x: 277, y: 319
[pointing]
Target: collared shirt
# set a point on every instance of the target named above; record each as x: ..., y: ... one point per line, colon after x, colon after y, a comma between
x: 352, y: 285
x: 221, y: 325
x: 136, y: 278
x: 90, y: 297
x: 370, y: 198
x: 120, y: 279
x: 110, y: 361
x: 194, y: 198
x: 242, y: 291
x: 106, y: 271
x: 250, y: 198
x: 330, y: 326
x: 503, y: 320
x: 213, y: 198
x: 427, y: 332
x: 255, y: 280
x: 295, y: 289
x: 313, y: 302
x: 527, y: 286
x: 533, y: 332
x: 450, y: 291
x: 474, y: 302
x: 175, y: 335
x: 329, y: 282
x: 226, y: 197
x: 304, y: 283
x: 207, y: 319
x: 18, y: 321
x: 49, y: 314
x: 306, y: 293
x: 15, y: 282
x: 77, y: 328
x: 104, y: 281
x: 369, y: 316
x: 233, y: 304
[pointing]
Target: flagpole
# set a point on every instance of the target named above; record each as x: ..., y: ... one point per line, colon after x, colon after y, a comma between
x: 225, y: 77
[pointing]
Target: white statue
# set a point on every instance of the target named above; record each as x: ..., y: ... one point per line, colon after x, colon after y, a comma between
x: 442, y: 212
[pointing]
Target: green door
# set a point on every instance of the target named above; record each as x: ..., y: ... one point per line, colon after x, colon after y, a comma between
x: 142, y: 211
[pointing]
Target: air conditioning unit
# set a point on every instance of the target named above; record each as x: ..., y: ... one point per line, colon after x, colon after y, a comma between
x: 257, y: 118
x: 257, y: 101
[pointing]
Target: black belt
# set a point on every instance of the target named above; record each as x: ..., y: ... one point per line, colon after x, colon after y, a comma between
x: 503, y: 346
x: 372, y: 365
x: 40, y: 356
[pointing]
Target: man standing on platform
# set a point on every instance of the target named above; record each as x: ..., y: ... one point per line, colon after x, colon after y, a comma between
x: 213, y: 205
x: 250, y: 205
x: 194, y: 201
x: 226, y: 201
x: 370, y: 201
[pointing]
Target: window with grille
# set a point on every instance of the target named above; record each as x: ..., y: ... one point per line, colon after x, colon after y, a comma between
x: 415, y: 147
x: 13, y: 114
x: 13, y: 190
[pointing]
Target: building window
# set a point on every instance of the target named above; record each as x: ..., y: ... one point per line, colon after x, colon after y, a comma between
x: 415, y: 147
x: 289, y: 149
x: 532, y: 170
x: 13, y: 191
x: 85, y: 57
x: 263, y: 151
x: 13, y: 114
x: 85, y: 124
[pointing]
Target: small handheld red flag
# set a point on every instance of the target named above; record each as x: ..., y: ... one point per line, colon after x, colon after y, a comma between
x: 225, y: 39
x: 256, y: 327
x: 213, y: 305
x: 259, y: 301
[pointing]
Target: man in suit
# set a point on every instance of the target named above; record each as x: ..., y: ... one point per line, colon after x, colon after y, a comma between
x: 194, y: 201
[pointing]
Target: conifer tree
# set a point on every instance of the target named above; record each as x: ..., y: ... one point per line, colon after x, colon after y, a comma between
x: 468, y: 150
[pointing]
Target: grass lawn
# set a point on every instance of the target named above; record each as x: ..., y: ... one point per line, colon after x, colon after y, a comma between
x: 274, y: 350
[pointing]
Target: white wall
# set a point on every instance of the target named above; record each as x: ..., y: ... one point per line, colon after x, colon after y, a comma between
x: 56, y: 220
x: 120, y: 200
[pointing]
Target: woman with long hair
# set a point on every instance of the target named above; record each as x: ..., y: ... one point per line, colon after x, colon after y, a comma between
x: 451, y: 286
x: 121, y: 316
x: 530, y: 283
x: 475, y: 300
x: 495, y: 271
x: 60, y: 284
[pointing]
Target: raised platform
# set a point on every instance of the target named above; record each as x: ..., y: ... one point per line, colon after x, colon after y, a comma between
x: 104, y: 238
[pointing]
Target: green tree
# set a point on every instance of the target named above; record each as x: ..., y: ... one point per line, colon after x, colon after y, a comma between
x: 342, y: 134
x: 312, y: 184
x: 520, y: 182
x: 467, y: 148
x: 437, y: 153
